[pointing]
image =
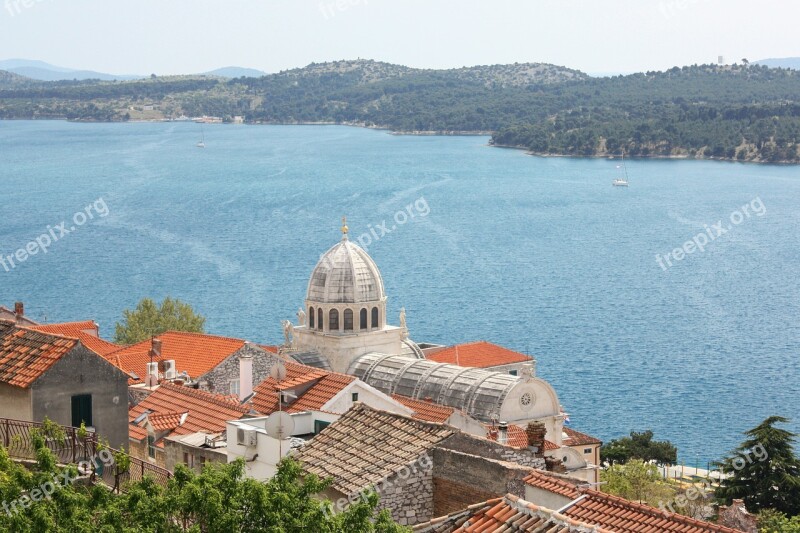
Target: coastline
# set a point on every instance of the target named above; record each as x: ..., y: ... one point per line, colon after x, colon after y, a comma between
x: 434, y: 133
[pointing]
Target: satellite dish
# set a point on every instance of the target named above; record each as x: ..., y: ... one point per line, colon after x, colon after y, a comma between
x: 278, y: 372
x: 280, y: 425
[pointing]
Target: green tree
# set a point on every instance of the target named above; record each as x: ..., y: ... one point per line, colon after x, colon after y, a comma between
x: 770, y: 521
x: 638, y: 481
x: 638, y: 446
x: 764, y: 470
x: 150, y: 319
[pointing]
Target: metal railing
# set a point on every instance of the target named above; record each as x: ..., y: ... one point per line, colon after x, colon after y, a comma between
x: 16, y: 436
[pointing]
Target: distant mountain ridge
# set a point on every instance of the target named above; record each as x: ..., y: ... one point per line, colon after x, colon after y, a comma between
x: 785, y: 62
x: 39, y: 70
x: 734, y: 112
x: 236, y: 72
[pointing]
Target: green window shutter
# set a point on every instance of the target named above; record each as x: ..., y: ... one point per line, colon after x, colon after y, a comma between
x: 319, y: 425
x: 82, y: 410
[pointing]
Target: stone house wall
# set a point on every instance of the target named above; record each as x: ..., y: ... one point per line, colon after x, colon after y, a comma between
x: 408, y: 494
x: 174, y: 455
x: 218, y: 379
x: 461, y: 480
x: 472, y: 445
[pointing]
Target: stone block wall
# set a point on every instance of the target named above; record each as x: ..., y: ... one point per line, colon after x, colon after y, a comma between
x: 408, y: 494
x: 461, y: 479
x: 472, y: 445
x: 218, y: 380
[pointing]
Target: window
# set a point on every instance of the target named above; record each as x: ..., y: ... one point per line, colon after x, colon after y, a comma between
x: 188, y: 459
x: 374, y: 317
x: 348, y: 320
x: 355, y: 396
x: 151, y: 446
x: 82, y: 410
x: 513, y: 372
x: 311, y: 318
x: 333, y: 319
x: 319, y: 318
x: 319, y: 425
x: 363, y: 319
x: 587, y: 450
x: 234, y: 387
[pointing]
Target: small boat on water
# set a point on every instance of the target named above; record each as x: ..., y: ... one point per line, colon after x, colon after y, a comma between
x: 621, y: 181
x: 202, y: 142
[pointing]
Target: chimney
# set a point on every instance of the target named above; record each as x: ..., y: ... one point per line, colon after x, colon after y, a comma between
x: 502, y: 433
x: 536, y: 433
x: 155, y: 347
x: 19, y: 309
x: 245, y: 375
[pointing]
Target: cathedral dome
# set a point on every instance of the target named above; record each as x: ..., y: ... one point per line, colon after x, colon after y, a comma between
x: 345, y: 274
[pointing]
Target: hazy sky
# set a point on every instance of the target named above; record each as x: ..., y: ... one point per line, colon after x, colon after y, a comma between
x: 186, y: 36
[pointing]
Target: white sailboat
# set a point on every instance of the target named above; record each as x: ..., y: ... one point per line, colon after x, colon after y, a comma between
x: 621, y: 182
x: 202, y: 142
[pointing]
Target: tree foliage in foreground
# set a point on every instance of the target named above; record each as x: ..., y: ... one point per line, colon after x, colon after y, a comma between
x: 764, y: 470
x: 150, y: 319
x: 637, y: 481
x: 638, y: 446
x: 774, y: 522
x: 220, y: 499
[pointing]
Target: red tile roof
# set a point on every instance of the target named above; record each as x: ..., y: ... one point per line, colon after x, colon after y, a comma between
x: 625, y: 516
x: 86, y: 332
x: 322, y: 387
x: 517, y: 438
x: 616, y: 514
x: 552, y: 483
x: 26, y: 354
x: 576, y: 438
x: 550, y: 445
x: 207, y: 412
x: 194, y: 353
x: 507, y: 514
x: 166, y: 421
x: 423, y: 410
x: 480, y: 354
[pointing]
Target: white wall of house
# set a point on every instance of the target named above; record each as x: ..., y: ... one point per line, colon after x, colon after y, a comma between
x: 343, y: 401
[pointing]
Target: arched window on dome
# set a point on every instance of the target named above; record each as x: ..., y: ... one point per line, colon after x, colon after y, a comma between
x: 320, y: 322
x: 363, y: 317
x: 311, y: 317
x: 348, y: 320
x: 333, y: 320
x: 375, y: 317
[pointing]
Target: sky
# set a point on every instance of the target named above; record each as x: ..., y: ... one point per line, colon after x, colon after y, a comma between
x: 190, y: 36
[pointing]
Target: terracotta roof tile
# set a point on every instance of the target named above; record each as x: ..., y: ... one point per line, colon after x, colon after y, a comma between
x: 576, y: 438
x: 194, y: 353
x: 166, y: 421
x: 85, y: 331
x: 320, y: 387
x: 207, y: 412
x: 510, y: 513
x: 480, y: 354
x: 423, y: 410
x: 517, y: 438
x: 626, y: 516
x: 552, y: 483
x: 137, y: 433
x: 366, y: 446
x: 614, y: 513
x: 26, y: 354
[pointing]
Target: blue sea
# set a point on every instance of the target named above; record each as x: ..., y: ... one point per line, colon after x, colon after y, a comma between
x: 541, y: 255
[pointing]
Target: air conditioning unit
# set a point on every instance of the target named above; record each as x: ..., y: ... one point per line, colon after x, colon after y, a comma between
x: 246, y: 437
x: 152, y: 369
x: 170, y: 371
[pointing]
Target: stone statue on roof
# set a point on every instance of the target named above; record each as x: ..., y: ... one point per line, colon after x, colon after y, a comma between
x: 301, y: 317
x: 288, y: 334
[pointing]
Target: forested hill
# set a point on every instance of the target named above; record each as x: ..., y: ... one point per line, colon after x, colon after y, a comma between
x: 745, y: 112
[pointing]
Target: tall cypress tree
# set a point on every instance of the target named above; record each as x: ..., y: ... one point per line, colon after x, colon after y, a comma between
x: 764, y: 470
